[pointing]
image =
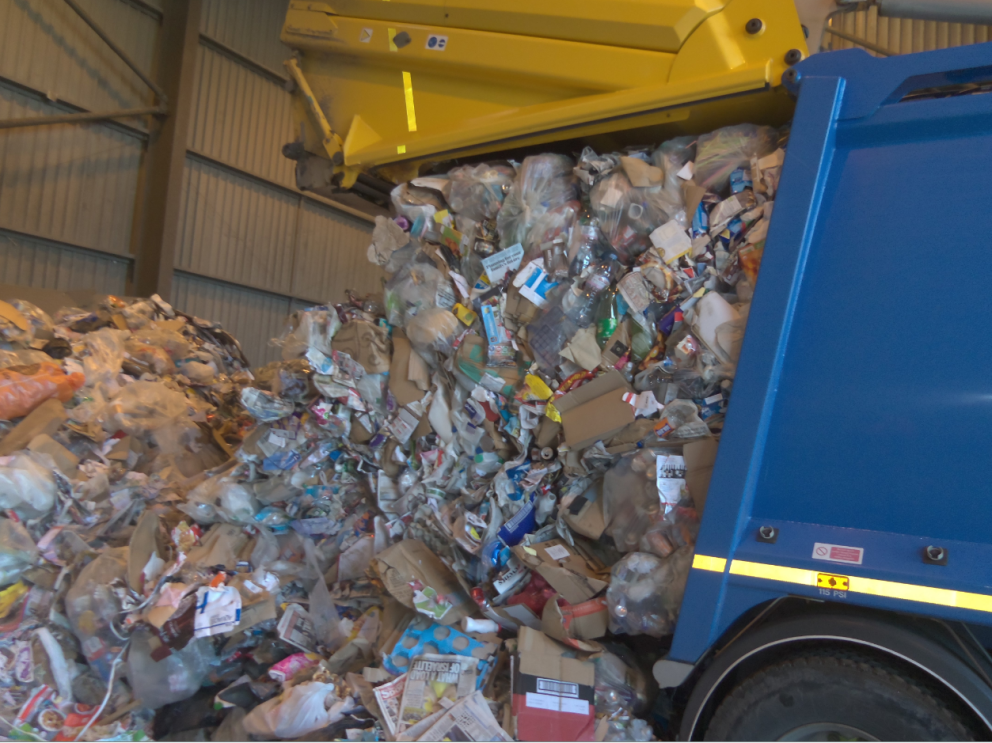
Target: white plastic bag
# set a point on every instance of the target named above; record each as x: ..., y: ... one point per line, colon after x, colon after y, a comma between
x: 298, y: 711
x: 27, y: 485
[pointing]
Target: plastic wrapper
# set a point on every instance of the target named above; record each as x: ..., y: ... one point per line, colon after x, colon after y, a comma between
x: 264, y: 406
x: 17, y: 551
x: 721, y: 152
x: 27, y: 485
x: 23, y: 388
x: 680, y: 421
x: 646, y: 592
x: 92, y: 606
x: 172, y: 679
x: 544, y: 182
x: 620, y: 685
x: 477, y: 191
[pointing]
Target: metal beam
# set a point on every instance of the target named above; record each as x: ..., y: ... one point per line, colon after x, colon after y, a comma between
x: 244, y: 59
x: 159, y: 93
x: 78, y: 118
x: 858, y: 40
x: 179, y: 42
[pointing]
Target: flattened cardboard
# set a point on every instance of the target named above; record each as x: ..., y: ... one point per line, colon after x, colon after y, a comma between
x: 542, y: 709
x: 365, y: 343
x: 572, y: 575
x: 595, y: 411
x: 576, y: 623
x: 47, y: 418
x: 700, y: 456
x: 584, y: 515
x: 547, y: 432
x: 64, y: 459
x: 402, y: 388
x: 411, y: 560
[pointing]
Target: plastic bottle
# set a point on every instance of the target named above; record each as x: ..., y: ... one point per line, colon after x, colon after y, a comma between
x: 579, y: 306
x: 608, y: 316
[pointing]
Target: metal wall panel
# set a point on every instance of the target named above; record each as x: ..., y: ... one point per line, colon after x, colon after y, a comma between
x: 39, y: 263
x: 902, y: 35
x: 332, y: 256
x: 250, y: 27
x: 45, y: 45
x: 72, y: 183
x: 242, y: 118
x: 253, y: 317
x: 237, y: 229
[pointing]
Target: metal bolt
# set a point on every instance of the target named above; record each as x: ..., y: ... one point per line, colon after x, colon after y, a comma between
x: 791, y: 75
x: 767, y: 532
x: 792, y: 56
x: 935, y: 553
x: 754, y: 26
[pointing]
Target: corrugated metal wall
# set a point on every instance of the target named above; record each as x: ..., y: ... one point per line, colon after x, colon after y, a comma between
x: 250, y: 246
x: 901, y: 35
x: 68, y: 193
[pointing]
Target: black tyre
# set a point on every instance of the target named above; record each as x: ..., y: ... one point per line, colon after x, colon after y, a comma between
x: 836, y: 695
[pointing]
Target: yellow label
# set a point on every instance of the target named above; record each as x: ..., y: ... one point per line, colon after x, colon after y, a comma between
x: 837, y: 582
x: 10, y: 596
x: 552, y: 413
x: 392, y: 33
x: 464, y: 314
x: 401, y: 149
x: 537, y: 387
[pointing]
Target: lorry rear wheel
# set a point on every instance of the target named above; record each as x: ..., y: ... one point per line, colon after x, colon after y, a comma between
x: 835, y: 695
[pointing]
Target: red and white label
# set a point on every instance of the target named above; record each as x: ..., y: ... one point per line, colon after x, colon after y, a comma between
x: 838, y: 553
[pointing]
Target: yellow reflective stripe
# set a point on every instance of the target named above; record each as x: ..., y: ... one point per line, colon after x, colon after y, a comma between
x: 411, y: 114
x: 773, y: 572
x: 401, y: 149
x: 705, y: 562
x: 391, y: 32
x: 868, y: 586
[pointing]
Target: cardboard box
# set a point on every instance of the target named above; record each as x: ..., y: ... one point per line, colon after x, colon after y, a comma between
x: 595, y: 411
x: 553, y: 696
x: 411, y: 562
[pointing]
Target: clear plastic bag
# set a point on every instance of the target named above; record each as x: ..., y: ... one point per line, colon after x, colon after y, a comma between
x: 630, y: 499
x: 264, y: 406
x: 646, y: 592
x: 672, y: 156
x: 543, y: 182
x: 418, y: 205
x: 37, y: 318
x: 433, y: 329
x: 17, y: 551
x: 23, y: 388
x: 720, y: 153
x: 141, y: 408
x: 297, y: 711
x: 477, y: 191
x: 172, y: 679
x: 678, y: 529
x: 92, y: 605
x: 411, y: 290
x: 104, y: 353
x: 27, y: 485
x: 680, y: 421
x: 627, y: 215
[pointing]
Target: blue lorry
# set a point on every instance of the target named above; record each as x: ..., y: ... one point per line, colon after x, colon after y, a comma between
x: 842, y: 583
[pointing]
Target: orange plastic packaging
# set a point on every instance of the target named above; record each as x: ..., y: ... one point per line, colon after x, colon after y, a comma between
x: 23, y: 388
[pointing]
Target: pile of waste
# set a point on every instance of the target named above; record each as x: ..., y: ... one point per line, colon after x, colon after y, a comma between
x: 464, y: 509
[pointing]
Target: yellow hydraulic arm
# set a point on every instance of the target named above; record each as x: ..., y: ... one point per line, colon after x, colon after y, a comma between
x: 385, y: 86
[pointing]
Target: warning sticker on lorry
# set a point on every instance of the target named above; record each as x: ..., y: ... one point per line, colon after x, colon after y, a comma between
x: 838, y: 553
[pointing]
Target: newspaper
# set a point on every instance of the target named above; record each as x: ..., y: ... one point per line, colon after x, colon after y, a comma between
x: 435, y: 681
x: 388, y: 696
x: 469, y: 720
